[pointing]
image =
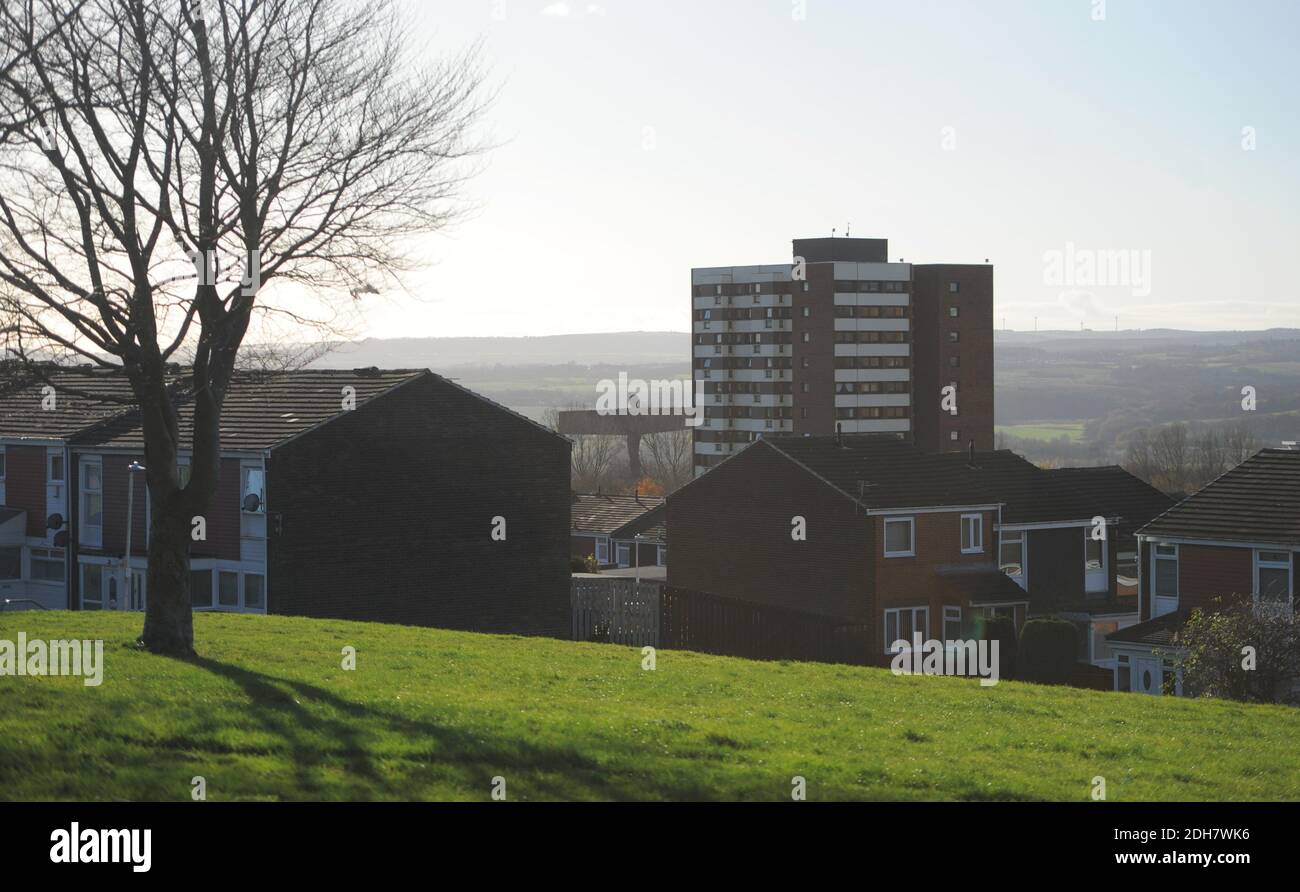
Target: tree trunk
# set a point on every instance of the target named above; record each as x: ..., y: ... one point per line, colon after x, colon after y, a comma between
x: 168, y: 619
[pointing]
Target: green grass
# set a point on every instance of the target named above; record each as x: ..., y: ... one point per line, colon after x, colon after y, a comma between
x: 1044, y: 430
x: 267, y: 713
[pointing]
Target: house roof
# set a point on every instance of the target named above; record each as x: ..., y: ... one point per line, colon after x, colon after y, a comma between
x: 977, y: 584
x: 1118, y: 492
x: 652, y: 524
x: 1159, y: 632
x: 883, y: 472
x: 263, y: 409
x: 81, y: 398
x: 1257, y: 501
x: 603, y: 513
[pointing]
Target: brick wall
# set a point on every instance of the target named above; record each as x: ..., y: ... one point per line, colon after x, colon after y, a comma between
x: 386, y: 513
x: 729, y: 535
x: 932, y: 350
x: 1207, y: 572
x: 25, y: 485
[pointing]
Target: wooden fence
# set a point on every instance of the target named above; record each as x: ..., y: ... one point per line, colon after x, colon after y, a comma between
x: 693, y: 620
x: 616, y: 610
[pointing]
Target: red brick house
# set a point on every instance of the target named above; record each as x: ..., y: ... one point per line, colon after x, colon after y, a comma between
x: 866, y: 531
x: 394, y: 496
x: 1237, y: 538
x: 871, y: 531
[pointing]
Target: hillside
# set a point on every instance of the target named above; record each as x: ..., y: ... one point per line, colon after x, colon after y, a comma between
x: 267, y: 713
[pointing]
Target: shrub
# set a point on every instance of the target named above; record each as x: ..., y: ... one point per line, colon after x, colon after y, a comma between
x: 1241, y: 651
x: 1048, y: 650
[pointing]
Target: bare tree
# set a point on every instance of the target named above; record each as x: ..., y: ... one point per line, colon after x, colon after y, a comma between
x: 1169, y: 455
x: 144, y: 142
x: 594, y: 457
x: 1208, y: 458
x: 669, y: 457
x: 1240, y: 443
x: 1137, y: 456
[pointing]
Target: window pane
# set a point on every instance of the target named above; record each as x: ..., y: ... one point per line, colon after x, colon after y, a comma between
x: 94, y: 509
x: 92, y: 475
x: 201, y: 588
x: 228, y: 592
x: 253, y: 590
x: 1093, y: 549
x: 11, y: 563
x: 1167, y: 578
x: 56, y: 467
x: 898, y: 536
x: 891, y: 628
x: 1012, y: 557
x: 1274, y: 583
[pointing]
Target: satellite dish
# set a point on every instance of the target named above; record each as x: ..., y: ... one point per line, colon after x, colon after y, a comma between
x: 252, y: 502
x: 54, y: 521
x: 61, y: 539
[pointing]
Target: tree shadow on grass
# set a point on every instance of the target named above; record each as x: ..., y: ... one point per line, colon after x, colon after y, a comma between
x: 277, y: 706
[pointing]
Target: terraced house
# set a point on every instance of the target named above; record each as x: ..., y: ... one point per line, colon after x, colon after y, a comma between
x: 381, y: 495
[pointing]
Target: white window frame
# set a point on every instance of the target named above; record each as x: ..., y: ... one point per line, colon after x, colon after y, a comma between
x: 50, y: 481
x: 1006, y: 537
x: 47, y: 555
x: 1156, y: 558
x: 215, y: 567
x: 602, y: 550
x: 1289, y: 566
x: 911, y: 537
x: 618, y: 553
x: 977, y: 534
x: 661, y: 556
x: 951, y: 615
x: 85, y: 527
x: 1105, y: 562
x: 244, y: 468
x: 897, y: 612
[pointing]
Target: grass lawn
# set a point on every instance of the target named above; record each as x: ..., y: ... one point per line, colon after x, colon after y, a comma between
x: 268, y: 713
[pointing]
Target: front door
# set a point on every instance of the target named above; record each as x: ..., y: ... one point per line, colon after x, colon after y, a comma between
x: 1146, y: 675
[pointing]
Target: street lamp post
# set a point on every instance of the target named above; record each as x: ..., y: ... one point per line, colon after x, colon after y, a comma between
x: 133, y: 468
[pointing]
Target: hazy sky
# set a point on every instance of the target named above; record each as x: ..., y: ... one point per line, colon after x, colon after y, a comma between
x: 644, y: 138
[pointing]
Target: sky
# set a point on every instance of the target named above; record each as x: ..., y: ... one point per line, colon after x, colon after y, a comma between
x: 636, y: 140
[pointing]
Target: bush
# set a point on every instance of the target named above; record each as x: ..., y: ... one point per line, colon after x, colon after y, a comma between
x: 586, y: 564
x: 1048, y: 650
x: 1240, y: 651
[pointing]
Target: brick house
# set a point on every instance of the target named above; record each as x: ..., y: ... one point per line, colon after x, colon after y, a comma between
x: 361, y: 494
x: 896, y: 539
x: 862, y: 530
x: 606, y: 526
x: 1235, y: 539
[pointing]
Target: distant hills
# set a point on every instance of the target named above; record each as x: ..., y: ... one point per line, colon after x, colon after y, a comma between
x: 655, y: 347
x: 1089, y: 387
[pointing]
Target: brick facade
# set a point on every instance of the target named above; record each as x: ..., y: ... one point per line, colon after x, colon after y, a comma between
x: 386, y: 514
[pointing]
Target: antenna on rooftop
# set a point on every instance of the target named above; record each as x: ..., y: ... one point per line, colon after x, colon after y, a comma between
x: 847, y: 227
